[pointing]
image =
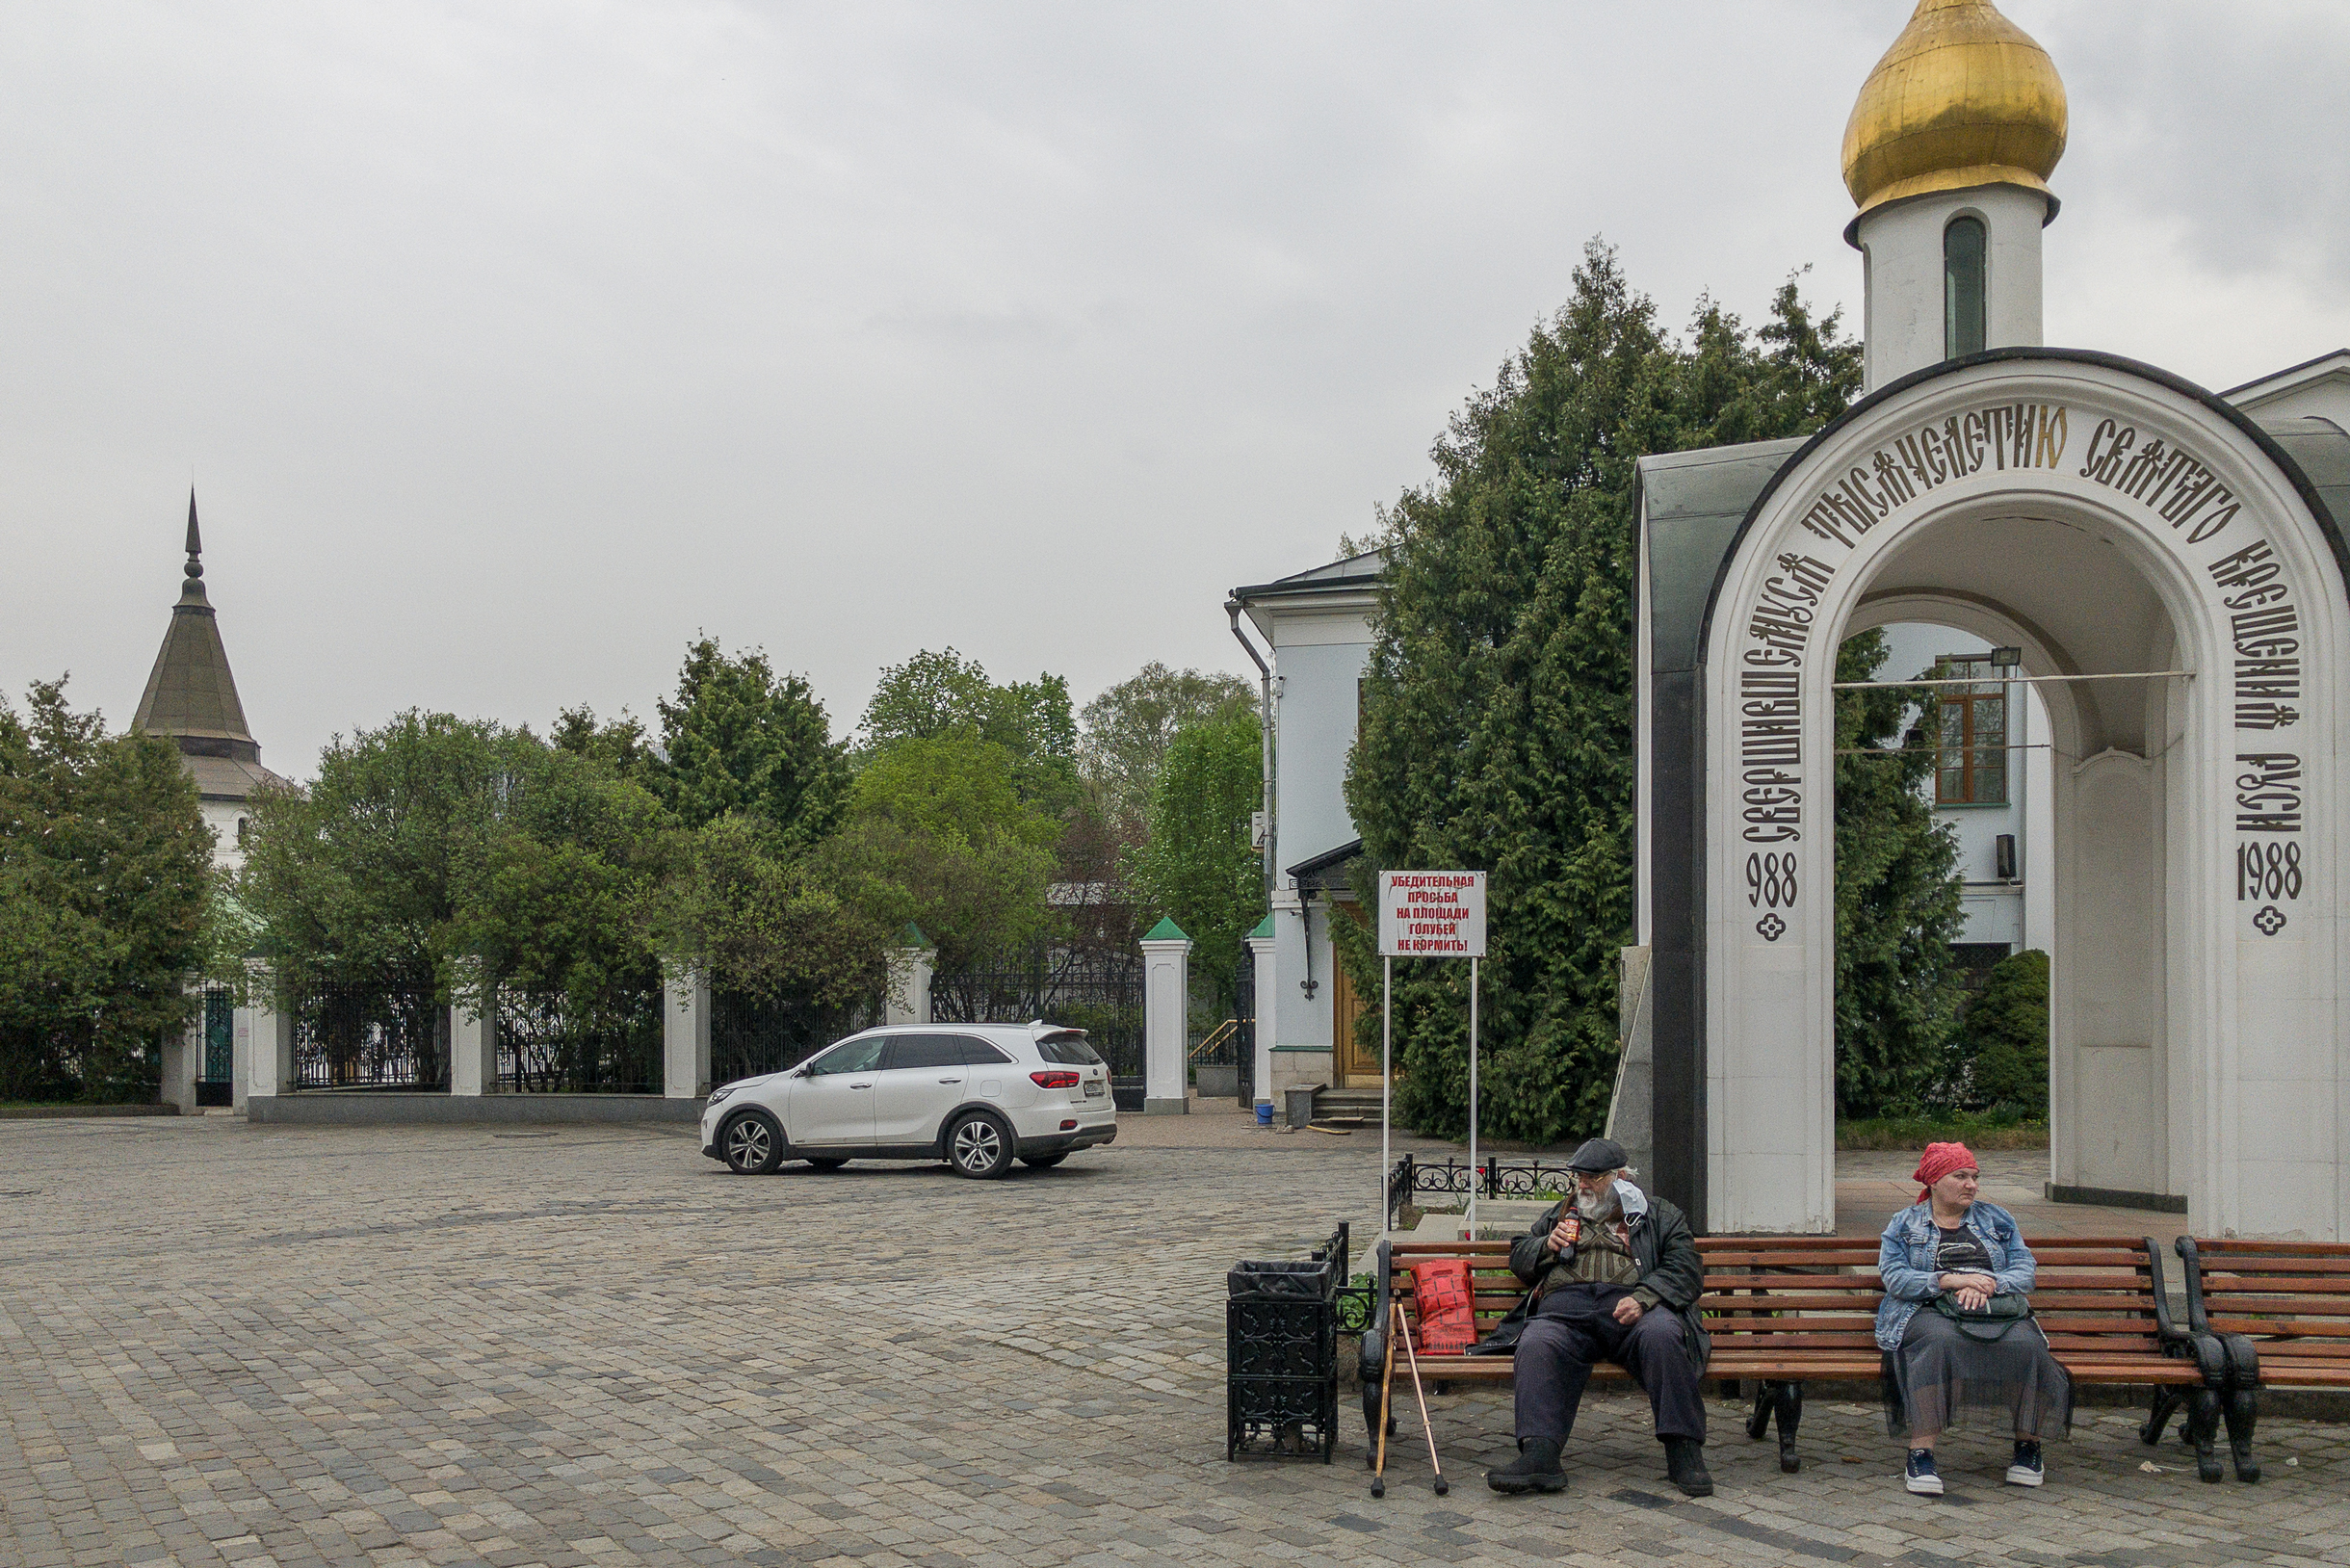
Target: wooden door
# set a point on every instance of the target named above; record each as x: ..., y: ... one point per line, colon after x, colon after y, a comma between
x: 1352, y: 1064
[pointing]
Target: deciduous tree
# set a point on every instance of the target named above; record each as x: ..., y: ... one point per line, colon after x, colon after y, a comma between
x: 1198, y: 867
x: 1125, y: 732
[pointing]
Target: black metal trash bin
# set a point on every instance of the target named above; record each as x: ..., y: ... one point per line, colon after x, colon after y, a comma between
x: 1280, y: 1361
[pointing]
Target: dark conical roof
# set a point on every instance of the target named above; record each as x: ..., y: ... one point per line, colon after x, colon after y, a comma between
x: 190, y: 696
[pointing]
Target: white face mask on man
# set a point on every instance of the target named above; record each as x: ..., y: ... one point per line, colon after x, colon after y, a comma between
x: 1601, y: 1208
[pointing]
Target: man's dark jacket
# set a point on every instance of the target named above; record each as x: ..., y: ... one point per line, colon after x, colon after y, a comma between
x: 1663, y: 1246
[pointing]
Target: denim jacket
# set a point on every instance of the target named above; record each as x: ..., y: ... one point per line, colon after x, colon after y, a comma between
x: 1905, y: 1262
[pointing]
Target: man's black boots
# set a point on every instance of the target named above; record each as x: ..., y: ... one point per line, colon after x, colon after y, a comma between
x: 1684, y: 1461
x: 1535, y: 1470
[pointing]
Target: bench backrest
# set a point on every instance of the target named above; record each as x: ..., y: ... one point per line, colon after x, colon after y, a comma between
x: 2095, y: 1296
x: 2290, y: 1295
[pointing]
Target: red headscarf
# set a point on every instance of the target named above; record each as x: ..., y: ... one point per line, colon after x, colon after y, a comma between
x: 1937, y: 1162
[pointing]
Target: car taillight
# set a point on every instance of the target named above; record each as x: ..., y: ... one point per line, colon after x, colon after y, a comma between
x: 1061, y: 1078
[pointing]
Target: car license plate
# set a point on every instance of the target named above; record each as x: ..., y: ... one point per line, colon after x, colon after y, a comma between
x: 1095, y: 1089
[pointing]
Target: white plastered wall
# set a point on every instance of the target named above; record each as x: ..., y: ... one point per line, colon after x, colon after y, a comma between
x: 1902, y: 251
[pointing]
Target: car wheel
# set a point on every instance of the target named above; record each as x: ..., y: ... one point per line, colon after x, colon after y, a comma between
x: 753, y: 1144
x: 1043, y: 1161
x: 978, y: 1146
x: 827, y: 1163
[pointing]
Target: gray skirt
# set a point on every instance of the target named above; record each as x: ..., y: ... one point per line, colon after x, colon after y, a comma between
x: 1941, y: 1371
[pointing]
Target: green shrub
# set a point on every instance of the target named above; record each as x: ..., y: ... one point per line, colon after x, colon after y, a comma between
x: 2005, y: 1036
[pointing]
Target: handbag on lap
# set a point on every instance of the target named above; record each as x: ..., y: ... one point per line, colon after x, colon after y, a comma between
x: 1989, y: 1323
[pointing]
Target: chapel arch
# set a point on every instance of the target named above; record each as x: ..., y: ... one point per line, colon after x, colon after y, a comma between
x: 2111, y: 521
x: 2086, y: 602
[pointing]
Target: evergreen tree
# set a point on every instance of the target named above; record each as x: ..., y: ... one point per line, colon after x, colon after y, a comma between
x: 104, y: 891
x: 739, y: 738
x: 1497, y: 729
x: 1896, y: 896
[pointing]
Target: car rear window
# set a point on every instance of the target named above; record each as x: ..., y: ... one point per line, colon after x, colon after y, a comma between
x: 1068, y: 1048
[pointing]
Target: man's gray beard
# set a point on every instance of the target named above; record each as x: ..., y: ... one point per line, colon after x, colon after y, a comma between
x: 1601, y: 1210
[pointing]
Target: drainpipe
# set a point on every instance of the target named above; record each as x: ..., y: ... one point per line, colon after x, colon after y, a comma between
x: 1265, y: 712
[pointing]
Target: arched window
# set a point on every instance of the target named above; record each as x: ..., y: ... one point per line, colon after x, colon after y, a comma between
x: 240, y: 830
x: 1963, y: 246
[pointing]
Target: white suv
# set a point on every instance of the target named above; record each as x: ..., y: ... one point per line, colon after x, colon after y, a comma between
x: 975, y: 1095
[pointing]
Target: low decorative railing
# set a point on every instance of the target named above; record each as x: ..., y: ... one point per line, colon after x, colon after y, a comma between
x: 1411, y: 1178
x: 1352, y: 1296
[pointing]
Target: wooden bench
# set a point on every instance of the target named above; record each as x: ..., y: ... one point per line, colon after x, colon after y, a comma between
x: 1786, y: 1310
x: 2280, y: 1310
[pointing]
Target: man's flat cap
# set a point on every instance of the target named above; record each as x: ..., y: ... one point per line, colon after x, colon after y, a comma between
x: 1600, y: 1154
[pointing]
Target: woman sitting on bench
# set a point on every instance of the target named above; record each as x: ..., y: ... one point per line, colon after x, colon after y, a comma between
x: 1973, y: 1343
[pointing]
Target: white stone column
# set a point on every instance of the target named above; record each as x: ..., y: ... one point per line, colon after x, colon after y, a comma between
x: 685, y: 1032
x: 266, y: 1066
x: 1261, y: 949
x: 181, y: 1053
x: 909, y: 979
x: 1167, y: 998
x: 240, y: 1057
x: 473, y: 1044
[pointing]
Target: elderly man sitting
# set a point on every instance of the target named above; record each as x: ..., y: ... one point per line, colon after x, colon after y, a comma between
x: 1615, y: 1274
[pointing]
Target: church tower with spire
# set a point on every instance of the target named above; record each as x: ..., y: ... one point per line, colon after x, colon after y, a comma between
x: 192, y: 699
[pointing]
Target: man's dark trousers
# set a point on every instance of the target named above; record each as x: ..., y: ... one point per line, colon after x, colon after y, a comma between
x: 1572, y: 1327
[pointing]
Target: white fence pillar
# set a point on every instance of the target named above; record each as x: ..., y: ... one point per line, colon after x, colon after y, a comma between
x: 266, y: 1052
x: 909, y: 979
x: 1167, y: 998
x: 181, y: 1055
x: 685, y: 1032
x: 473, y: 1044
x: 1261, y: 949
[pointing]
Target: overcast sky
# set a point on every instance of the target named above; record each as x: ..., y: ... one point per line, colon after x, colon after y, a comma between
x: 509, y: 346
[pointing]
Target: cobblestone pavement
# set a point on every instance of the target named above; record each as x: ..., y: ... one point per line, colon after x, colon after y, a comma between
x: 590, y: 1345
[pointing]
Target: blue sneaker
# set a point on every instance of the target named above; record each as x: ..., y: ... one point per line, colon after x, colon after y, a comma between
x: 2026, y: 1470
x: 1921, y: 1477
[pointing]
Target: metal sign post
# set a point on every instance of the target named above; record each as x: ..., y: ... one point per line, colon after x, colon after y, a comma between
x: 1387, y: 1081
x: 1429, y: 914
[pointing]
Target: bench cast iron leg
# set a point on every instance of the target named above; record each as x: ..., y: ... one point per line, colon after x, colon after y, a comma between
x: 1374, y: 1358
x: 2166, y: 1405
x: 1787, y: 1402
x: 2243, y: 1412
x: 2203, y: 1428
x: 1759, y: 1421
x: 1783, y: 1401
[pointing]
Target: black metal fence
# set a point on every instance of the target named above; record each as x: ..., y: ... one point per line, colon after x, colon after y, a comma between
x: 1245, y: 1038
x: 1411, y: 1179
x: 1098, y: 991
x: 364, y: 1035
x: 752, y: 1035
x: 551, y: 1043
x: 216, y: 1067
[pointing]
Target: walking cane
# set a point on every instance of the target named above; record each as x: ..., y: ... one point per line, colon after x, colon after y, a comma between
x: 1387, y: 1378
x: 1421, y: 1397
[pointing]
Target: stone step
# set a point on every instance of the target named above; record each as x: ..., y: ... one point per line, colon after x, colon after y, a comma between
x: 1362, y: 1103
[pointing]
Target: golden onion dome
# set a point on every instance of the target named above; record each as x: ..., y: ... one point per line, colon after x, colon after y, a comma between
x: 1963, y: 97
